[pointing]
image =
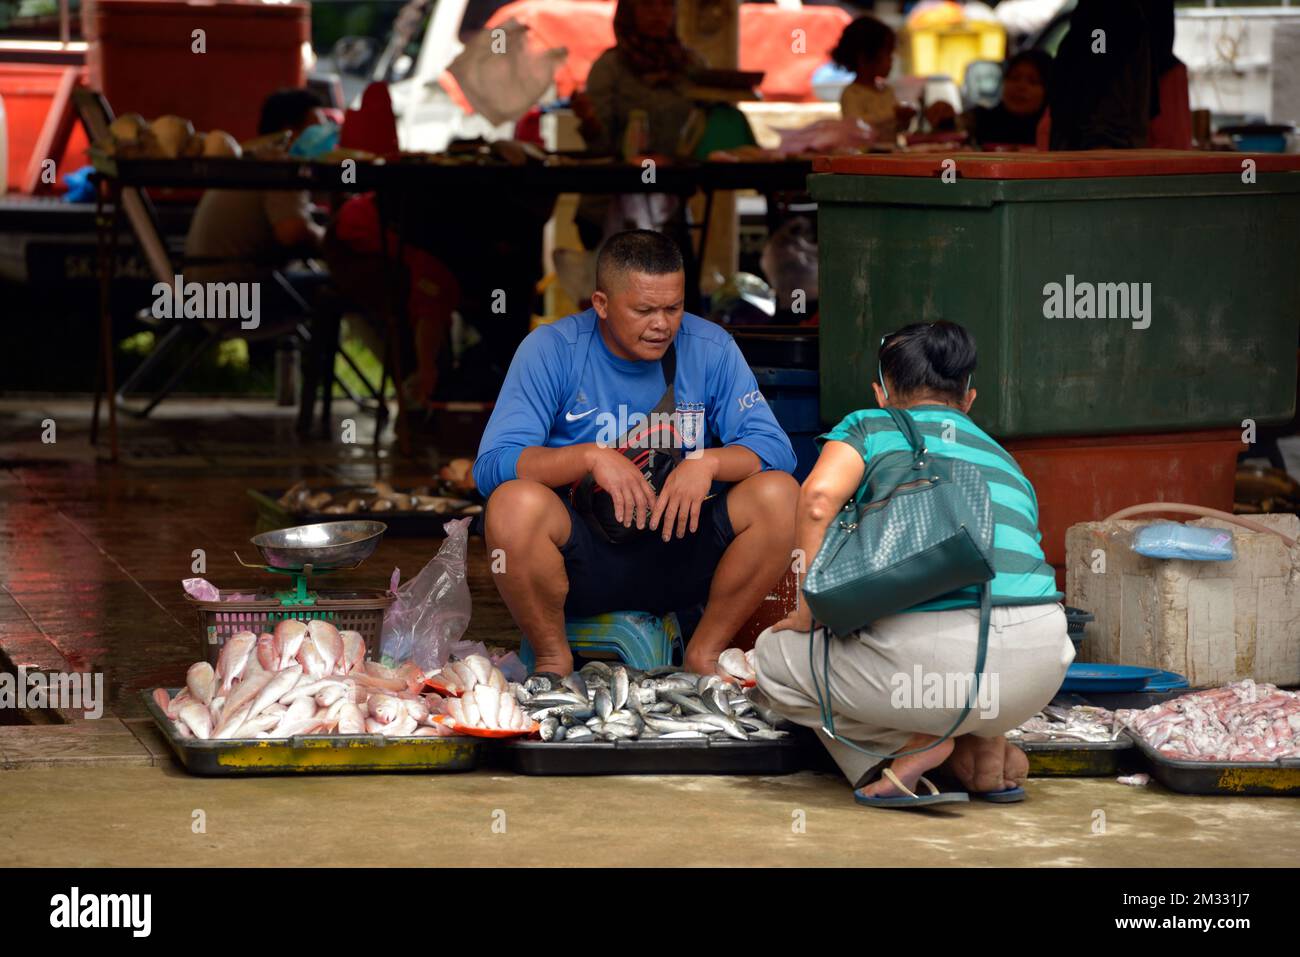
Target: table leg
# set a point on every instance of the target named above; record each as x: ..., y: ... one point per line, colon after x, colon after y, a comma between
x: 106, y: 241
x: 100, y: 276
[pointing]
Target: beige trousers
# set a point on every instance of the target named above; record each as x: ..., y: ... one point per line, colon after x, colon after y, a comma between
x: 912, y: 673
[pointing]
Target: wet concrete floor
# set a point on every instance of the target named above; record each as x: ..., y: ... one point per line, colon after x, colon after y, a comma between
x: 91, y: 558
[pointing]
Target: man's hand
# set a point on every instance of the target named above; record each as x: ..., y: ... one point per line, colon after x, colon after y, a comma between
x: 634, y: 497
x: 683, y: 494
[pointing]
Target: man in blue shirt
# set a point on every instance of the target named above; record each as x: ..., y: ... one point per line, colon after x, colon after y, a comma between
x: 575, y: 389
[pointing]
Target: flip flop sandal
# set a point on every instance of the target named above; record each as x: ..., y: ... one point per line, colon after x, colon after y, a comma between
x: 912, y: 799
x: 1007, y: 796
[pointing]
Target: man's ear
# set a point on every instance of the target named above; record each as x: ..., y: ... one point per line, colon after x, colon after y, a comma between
x: 880, y: 394
x: 968, y: 401
x: 600, y: 302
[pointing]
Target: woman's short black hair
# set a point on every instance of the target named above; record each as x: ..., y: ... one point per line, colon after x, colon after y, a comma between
x: 928, y: 357
x: 286, y: 110
x: 865, y: 36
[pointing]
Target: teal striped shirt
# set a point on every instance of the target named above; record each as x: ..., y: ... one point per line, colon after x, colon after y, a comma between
x: 1022, y: 577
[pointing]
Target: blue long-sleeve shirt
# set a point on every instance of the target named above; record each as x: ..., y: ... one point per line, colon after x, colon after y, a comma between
x: 565, y: 387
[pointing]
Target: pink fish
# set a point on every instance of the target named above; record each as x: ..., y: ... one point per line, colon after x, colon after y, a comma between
x: 196, y: 718
x: 386, y: 708
x: 310, y: 659
x: 354, y: 651
x: 289, y: 636
x: 266, y: 652
x: 162, y: 699
x: 351, y: 720
x: 277, y: 687
x: 230, y: 725
x: 293, y: 716
x: 255, y: 726
x: 327, y: 641
x: 244, y: 695
x: 234, y: 657
x: 202, y: 682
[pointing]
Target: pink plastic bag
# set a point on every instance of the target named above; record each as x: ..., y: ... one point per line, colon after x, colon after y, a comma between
x: 432, y: 609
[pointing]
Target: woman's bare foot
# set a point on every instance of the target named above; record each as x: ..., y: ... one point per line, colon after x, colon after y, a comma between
x: 1015, y: 766
x: 910, y: 768
x: 986, y: 764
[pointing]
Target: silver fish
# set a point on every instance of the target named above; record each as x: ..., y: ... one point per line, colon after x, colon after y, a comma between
x: 691, y: 703
x: 580, y: 711
x: 522, y: 694
x: 548, y: 728
x: 561, y: 732
x: 579, y: 734
x: 677, y: 682
x: 682, y: 735
x: 728, y: 724
x: 575, y: 684
x: 596, y: 668
x: 716, y: 700
x: 666, y: 725
x: 604, y: 704
x: 557, y: 697
x: 659, y: 707
x: 750, y: 723
x: 619, y: 687
x: 616, y: 730
x: 769, y: 735
x: 538, y: 684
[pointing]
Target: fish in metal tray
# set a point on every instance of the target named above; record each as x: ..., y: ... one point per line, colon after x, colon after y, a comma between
x: 613, y: 702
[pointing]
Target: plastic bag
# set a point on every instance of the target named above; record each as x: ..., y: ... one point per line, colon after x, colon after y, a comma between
x: 1176, y: 540
x: 432, y: 609
x: 790, y: 262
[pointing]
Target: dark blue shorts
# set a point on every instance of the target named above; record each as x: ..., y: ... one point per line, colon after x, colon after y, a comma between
x: 646, y: 573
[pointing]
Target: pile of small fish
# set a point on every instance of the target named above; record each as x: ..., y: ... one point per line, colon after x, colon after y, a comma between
x: 460, y: 677
x: 604, y: 702
x: 381, y: 497
x: 1079, y: 723
x: 489, y: 709
x: 1244, y: 721
x: 306, y: 678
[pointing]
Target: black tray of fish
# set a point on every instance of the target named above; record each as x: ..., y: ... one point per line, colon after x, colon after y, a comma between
x: 705, y: 756
x: 1258, y: 778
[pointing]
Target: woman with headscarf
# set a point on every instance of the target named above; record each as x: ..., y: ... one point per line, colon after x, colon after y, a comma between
x: 646, y: 69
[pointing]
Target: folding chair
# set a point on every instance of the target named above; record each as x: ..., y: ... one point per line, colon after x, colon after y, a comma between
x: 164, y: 265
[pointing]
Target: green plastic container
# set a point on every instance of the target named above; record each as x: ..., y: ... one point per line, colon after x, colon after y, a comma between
x: 902, y: 243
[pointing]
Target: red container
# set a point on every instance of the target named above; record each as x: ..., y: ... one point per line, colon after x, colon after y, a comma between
x: 36, y: 100
x: 1086, y: 478
x: 142, y: 58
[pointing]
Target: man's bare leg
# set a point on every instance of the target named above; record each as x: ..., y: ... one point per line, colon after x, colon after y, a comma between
x: 529, y: 524
x: 762, y: 512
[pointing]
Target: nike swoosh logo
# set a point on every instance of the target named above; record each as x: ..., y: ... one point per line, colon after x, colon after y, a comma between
x: 570, y: 417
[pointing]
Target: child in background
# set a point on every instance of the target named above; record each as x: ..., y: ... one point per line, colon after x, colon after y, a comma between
x: 867, y: 48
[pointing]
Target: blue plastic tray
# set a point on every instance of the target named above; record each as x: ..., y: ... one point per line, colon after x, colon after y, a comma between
x: 1083, y: 678
x: 1166, y: 681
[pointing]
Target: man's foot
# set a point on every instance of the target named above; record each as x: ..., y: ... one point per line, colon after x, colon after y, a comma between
x: 909, y: 769
x: 986, y: 765
x: 561, y: 665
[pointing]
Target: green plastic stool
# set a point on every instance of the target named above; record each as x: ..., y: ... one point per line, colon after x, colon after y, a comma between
x: 641, y: 640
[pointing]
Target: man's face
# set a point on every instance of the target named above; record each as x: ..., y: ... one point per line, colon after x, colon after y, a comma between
x: 640, y: 314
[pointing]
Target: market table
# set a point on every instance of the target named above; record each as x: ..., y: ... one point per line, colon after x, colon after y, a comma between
x: 414, y: 177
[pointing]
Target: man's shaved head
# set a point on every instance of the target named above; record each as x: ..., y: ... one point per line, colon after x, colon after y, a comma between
x: 636, y: 250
